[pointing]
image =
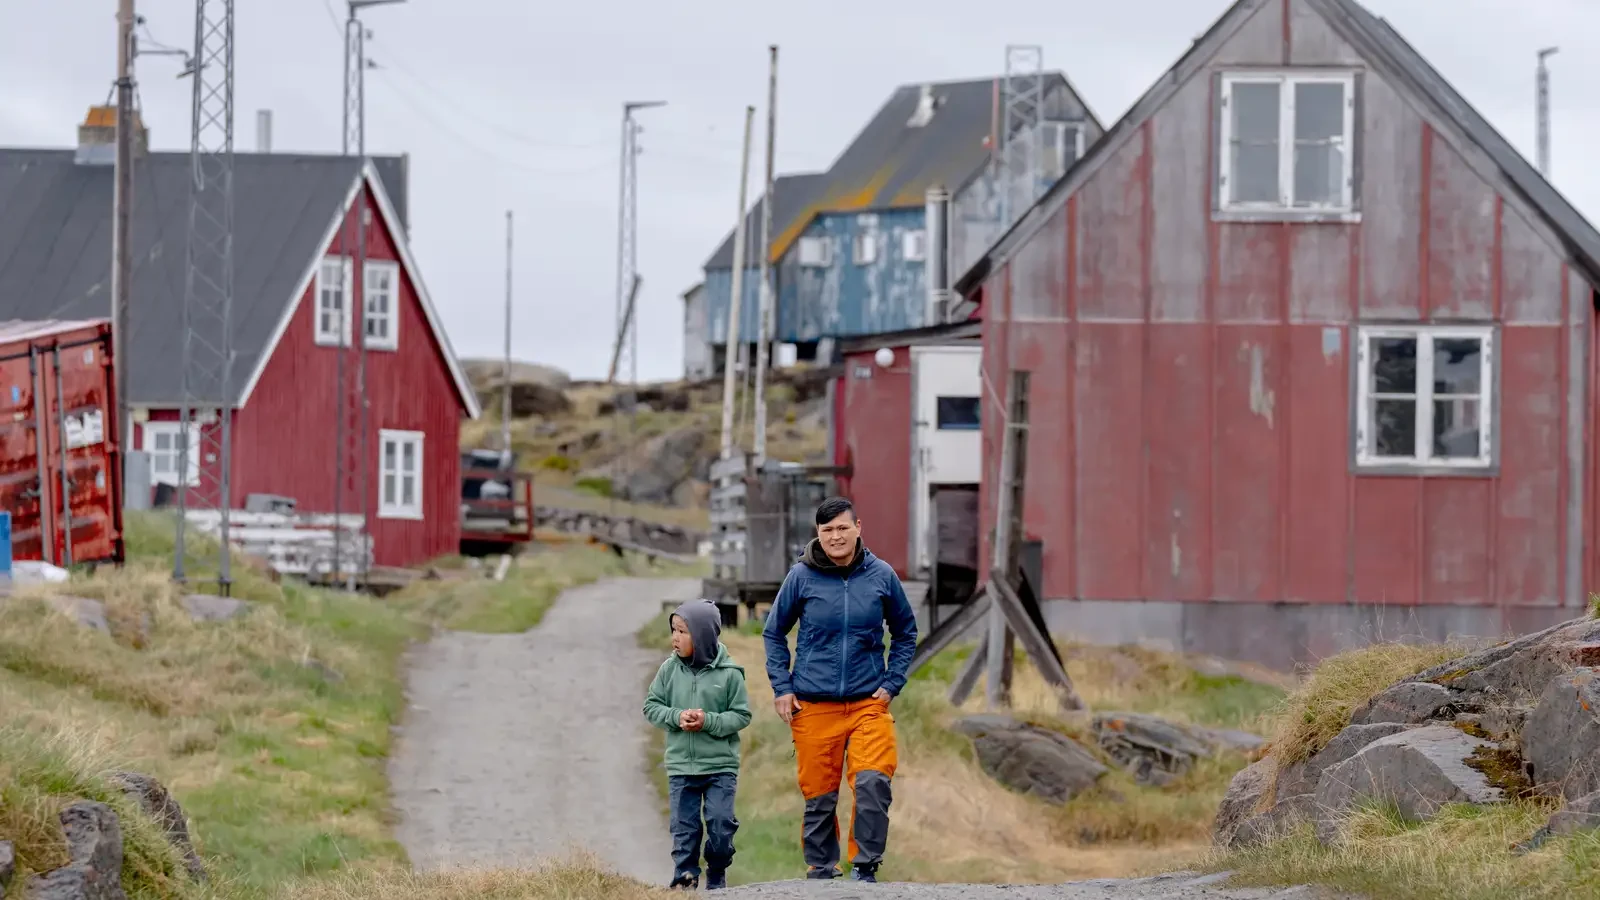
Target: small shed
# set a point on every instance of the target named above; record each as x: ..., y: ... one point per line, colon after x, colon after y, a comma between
x: 1312, y: 356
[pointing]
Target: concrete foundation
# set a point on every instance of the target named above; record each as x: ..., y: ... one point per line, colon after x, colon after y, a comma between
x: 1278, y: 635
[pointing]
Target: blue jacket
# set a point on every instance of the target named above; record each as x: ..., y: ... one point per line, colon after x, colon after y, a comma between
x: 841, y: 611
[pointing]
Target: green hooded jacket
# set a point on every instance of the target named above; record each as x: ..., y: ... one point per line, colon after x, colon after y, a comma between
x: 716, y: 686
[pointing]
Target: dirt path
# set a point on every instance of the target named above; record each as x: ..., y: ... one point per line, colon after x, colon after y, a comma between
x: 1179, y: 886
x: 522, y: 746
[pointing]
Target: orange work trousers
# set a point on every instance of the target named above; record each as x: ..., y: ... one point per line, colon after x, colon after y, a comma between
x: 828, y: 738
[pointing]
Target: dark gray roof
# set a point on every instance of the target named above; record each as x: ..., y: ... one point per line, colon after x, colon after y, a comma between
x: 791, y: 194
x: 55, y: 247
x: 1379, y: 44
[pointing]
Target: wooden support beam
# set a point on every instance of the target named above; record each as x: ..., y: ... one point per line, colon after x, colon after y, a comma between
x: 971, y: 612
x: 1038, y: 647
x: 970, y: 673
x: 1008, y: 536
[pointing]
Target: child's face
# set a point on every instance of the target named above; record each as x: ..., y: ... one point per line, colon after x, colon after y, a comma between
x: 682, y: 643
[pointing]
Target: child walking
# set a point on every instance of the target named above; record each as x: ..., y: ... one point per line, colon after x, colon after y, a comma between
x: 698, y: 698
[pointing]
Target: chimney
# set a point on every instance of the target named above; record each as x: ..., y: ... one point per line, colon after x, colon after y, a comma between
x: 263, y: 131
x: 936, y: 252
x: 97, y: 137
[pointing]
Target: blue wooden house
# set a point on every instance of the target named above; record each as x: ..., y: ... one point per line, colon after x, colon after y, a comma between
x: 850, y: 245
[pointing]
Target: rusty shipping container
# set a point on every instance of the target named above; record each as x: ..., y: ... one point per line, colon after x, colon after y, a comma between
x: 60, y: 458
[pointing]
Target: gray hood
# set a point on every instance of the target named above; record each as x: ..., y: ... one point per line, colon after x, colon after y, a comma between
x: 704, y: 622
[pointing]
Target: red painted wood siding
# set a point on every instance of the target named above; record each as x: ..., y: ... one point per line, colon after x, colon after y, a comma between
x: 872, y: 432
x: 1191, y: 379
x: 284, y: 439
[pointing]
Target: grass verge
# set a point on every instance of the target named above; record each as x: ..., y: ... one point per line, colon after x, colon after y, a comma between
x: 940, y: 792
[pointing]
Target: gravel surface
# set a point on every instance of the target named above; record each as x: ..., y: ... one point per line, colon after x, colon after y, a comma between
x: 521, y: 746
x: 1179, y: 886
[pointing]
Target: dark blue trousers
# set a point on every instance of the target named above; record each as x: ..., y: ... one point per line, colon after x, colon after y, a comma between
x: 691, y: 798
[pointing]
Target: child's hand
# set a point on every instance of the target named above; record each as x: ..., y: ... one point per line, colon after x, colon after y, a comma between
x: 692, y: 720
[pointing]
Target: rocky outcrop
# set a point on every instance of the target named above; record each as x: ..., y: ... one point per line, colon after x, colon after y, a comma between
x: 211, y: 608
x: 8, y: 866
x: 1517, y: 718
x: 158, y: 804
x: 1157, y: 751
x: 94, y: 848
x: 1030, y: 759
x: 663, y: 538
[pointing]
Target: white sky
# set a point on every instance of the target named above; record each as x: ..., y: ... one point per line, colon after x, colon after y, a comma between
x: 516, y: 104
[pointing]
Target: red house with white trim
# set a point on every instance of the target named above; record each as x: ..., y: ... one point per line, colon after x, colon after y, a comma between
x: 293, y: 279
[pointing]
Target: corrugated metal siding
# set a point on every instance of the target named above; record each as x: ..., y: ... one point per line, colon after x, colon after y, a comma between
x: 844, y: 299
x: 285, y: 439
x: 719, y: 294
x: 1192, y: 380
x: 872, y: 433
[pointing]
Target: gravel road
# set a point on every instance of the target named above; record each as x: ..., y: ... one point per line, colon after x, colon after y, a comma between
x: 1179, y: 886
x: 522, y: 746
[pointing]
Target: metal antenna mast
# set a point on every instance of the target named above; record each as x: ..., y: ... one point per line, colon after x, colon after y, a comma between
x: 207, y: 364
x: 1543, y: 103
x: 764, y: 320
x: 625, y: 355
x: 352, y: 453
x: 1020, y: 136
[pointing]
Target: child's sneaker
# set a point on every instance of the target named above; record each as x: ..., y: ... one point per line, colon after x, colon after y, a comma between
x: 716, y: 879
x: 822, y: 873
x: 685, y: 882
x: 864, y: 873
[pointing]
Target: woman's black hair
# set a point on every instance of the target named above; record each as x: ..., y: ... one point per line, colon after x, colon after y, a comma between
x: 832, y: 508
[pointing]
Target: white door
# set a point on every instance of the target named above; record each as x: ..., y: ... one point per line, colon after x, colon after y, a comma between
x: 947, y: 444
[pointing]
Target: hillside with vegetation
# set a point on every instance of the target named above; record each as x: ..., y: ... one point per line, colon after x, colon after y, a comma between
x: 653, y: 464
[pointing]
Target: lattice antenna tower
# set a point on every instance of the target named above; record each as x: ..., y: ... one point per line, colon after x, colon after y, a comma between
x: 1021, y: 138
x: 626, y: 353
x: 207, y: 360
x: 351, y: 463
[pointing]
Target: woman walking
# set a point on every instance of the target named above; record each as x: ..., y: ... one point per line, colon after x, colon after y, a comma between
x: 836, y: 696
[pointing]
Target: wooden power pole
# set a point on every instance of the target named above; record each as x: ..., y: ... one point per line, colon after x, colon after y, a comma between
x: 122, y: 216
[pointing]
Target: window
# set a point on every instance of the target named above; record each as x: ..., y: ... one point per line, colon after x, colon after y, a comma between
x: 381, y: 287
x: 957, y: 413
x: 399, y: 474
x: 164, y: 441
x: 1063, y: 146
x: 1425, y: 397
x: 865, y: 247
x: 333, y: 313
x: 1287, y: 143
x: 815, y: 252
x: 914, y: 245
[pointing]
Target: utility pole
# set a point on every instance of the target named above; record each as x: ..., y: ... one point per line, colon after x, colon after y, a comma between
x: 627, y: 345
x: 759, y: 448
x: 122, y: 202
x: 505, y: 386
x: 730, y: 355
x: 1542, y: 101
x: 352, y: 455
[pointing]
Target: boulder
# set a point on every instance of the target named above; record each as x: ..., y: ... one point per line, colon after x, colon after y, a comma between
x: 671, y: 458
x: 8, y: 866
x: 211, y: 608
x: 1561, y: 738
x: 1408, y: 703
x: 1516, y: 672
x: 158, y: 804
x: 1579, y: 814
x: 1156, y: 751
x: 94, y: 848
x: 87, y: 613
x: 1302, y: 777
x: 1246, y: 794
x: 1029, y: 759
x: 1418, y: 770
x: 529, y: 399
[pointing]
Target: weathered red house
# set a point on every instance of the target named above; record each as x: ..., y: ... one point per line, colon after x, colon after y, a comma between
x: 1311, y: 356
x: 293, y: 281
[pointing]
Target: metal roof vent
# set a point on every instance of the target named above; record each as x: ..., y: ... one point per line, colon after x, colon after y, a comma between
x: 926, y: 104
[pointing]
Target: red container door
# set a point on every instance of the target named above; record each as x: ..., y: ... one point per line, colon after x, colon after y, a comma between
x: 80, y: 445
x: 23, y: 436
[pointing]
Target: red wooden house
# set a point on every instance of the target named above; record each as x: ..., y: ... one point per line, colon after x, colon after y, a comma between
x: 293, y: 281
x: 1311, y: 355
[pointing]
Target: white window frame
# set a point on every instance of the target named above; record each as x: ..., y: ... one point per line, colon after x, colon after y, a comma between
x: 149, y: 431
x: 326, y: 337
x: 914, y: 245
x: 390, y: 315
x: 394, y: 508
x: 1423, y: 458
x: 1285, y: 203
x: 864, y: 247
x: 815, y: 251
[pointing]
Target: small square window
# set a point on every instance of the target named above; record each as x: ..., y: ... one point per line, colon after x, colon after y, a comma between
x: 1425, y: 397
x: 865, y: 247
x: 815, y: 252
x: 164, y: 442
x: 381, y: 288
x: 333, y: 310
x: 957, y: 413
x: 1288, y: 143
x: 914, y: 245
x: 400, y: 474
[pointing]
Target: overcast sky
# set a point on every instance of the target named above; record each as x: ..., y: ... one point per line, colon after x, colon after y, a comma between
x: 516, y: 104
